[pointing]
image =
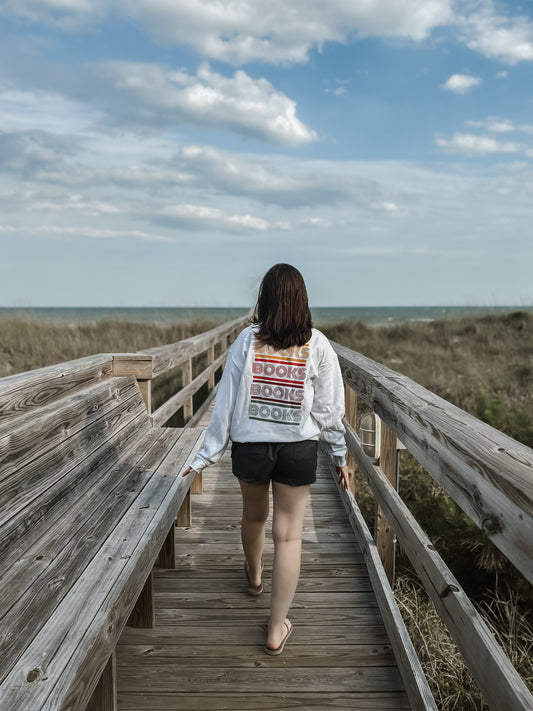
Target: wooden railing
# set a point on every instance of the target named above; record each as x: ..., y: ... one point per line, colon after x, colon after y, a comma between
x: 489, y: 475
x: 149, y: 364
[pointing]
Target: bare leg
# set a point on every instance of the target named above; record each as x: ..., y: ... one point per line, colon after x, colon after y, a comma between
x: 254, y: 517
x: 289, y: 510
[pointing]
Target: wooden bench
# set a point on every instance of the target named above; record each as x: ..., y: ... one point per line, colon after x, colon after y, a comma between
x: 89, y: 493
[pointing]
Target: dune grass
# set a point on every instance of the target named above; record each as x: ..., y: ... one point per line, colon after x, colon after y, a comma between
x: 26, y: 344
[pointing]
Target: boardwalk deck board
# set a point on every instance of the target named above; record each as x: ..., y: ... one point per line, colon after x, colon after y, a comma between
x: 205, y: 650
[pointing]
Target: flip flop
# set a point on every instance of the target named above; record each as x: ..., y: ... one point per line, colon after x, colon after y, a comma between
x: 253, y: 589
x: 279, y: 650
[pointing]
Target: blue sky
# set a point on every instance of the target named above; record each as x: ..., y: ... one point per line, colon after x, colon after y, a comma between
x: 168, y: 152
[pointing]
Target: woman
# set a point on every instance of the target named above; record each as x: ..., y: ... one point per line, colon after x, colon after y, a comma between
x: 280, y: 392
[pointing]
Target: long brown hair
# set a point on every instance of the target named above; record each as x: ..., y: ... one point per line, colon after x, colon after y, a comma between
x: 282, y: 311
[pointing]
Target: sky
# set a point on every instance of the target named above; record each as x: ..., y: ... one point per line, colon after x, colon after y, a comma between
x: 168, y: 152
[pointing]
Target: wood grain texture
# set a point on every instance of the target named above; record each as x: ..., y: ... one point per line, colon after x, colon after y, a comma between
x: 44, y: 574
x: 104, y: 697
x: 32, y: 491
x: 487, y: 473
x: 492, y: 670
x: 143, y: 614
x: 23, y: 392
x: 32, y: 435
x: 279, y: 701
x: 69, y: 652
x: 135, y: 364
x: 167, y: 554
x: 384, y: 535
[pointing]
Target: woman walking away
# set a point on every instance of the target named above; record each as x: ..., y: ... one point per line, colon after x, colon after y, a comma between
x: 281, y: 391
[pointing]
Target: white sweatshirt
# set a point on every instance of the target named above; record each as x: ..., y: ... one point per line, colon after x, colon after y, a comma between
x: 270, y: 395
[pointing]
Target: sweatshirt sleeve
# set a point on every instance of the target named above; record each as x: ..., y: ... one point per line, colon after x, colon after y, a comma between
x: 218, y: 431
x: 328, y: 405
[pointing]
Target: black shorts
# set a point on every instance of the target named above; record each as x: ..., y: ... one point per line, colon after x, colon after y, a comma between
x: 292, y: 463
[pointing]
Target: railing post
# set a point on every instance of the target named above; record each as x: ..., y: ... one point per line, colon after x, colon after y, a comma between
x: 186, y: 379
x: 141, y: 367
x: 143, y: 614
x: 384, y: 534
x: 145, y: 386
x: 104, y: 697
x: 184, y: 514
x: 210, y: 361
x: 350, y: 414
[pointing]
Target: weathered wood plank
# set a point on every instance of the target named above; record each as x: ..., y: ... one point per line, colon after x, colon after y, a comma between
x: 170, y: 356
x: 136, y: 364
x: 486, y: 472
x: 358, y: 585
x: 279, y: 701
x: 45, y: 572
x: 169, y: 679
x: 492, y: 670
x: 183, y: 517
x: 384, y: 534
x: 143, y: 614
x: 310, y: 559
x: 27, y: 495
x: 217, y: 599
x: 34, y: 434
x: 252, y: 635
x: 167, y: 554
x: 26, y: 391
x: 362, y: 617
x: 69, y: 642
x: 242, y: 657
x: 104, y: 697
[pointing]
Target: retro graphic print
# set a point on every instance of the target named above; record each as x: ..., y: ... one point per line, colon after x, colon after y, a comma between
x: 277, y: 388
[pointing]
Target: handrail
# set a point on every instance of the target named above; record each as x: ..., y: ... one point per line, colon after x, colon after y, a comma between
x: 21, y: 392
x: 487, y: 473
x: 170, y: 356
x: 153, y: 362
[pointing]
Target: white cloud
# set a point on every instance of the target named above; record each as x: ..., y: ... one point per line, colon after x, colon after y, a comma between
x: 316, y: 222
x: 239, y: 32
x: 461, y: 83
x: 278, y: 32
x: 494, y: 125
x: 267, y: 179
x: 96, y: 233
x: 471, y: 144
x: 509, y: 39
x: 339, y: 91
x: 75, y: 203
x: 212, y: 217
x: 275, y: 31
x: 68, y: 15
x: 248, y: 106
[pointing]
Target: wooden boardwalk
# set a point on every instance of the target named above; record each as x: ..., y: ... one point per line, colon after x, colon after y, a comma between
x: 205, y: 651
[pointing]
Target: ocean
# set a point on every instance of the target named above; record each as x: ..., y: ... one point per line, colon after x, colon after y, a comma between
x: 372, y: 315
